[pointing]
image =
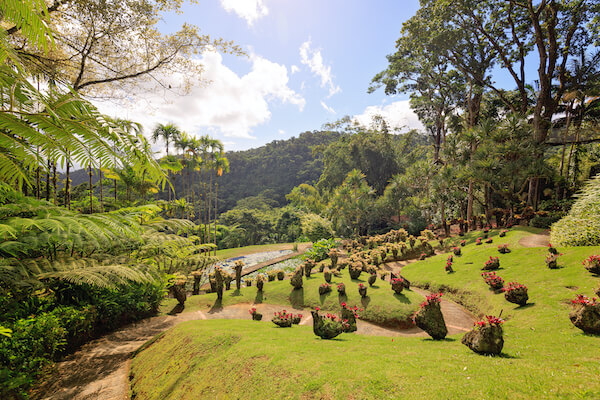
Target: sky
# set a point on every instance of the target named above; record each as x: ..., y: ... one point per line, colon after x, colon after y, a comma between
x: 309, y: 62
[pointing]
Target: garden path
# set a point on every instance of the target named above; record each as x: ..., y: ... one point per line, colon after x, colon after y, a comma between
x: 535, y: 240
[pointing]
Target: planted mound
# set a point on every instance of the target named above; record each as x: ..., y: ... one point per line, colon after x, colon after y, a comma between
x: 381, y: 306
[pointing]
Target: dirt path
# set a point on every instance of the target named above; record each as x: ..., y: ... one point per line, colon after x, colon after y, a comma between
x: 535, y: 240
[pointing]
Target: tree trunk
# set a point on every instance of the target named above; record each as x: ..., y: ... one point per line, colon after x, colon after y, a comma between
x: 91, y: 190
x: 101, y: 189
x: 216, y: 198
x: 54, y: 180
x: 115, y: 190
x: 48, y: 180
x: 68, y: 186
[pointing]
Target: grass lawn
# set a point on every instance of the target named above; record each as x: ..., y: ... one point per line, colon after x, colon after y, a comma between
x: 544, y: 355
x: 241, y: 251
x: 381, y: 305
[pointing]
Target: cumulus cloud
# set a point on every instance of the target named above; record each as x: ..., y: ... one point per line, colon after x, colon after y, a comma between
x: 314, y: 60
x: 398, y: 115
x: 250, y: 10
x: 281, y: 132
x: 327, y: 108
x: 228, y: 103
x: 294, y: 69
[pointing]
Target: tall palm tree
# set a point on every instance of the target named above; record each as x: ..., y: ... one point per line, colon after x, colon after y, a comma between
x: 168, y: 133
x: 221, y: 167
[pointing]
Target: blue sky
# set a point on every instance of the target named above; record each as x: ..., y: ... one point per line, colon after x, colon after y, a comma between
x: 310, y: 62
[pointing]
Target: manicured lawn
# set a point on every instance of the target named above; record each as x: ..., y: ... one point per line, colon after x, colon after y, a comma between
x: 381, y: 305
x: 544, y: 355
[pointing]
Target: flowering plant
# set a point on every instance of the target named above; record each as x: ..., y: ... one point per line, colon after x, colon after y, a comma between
x: 296, y: 319
x: 456, y: 251
x: 450, y: 258
x: 584, y: 300
x: 478, y: 241
x: 431, y: 299
x: 503, y: 233
x: 341, y: 288
x: 592, y: 264
x: 324, y: 288
x: 503, y: 248
x: 489, y: 240
x: 448, y: 267
x: 492, y: 263
x: 552, y: 250
x: 397, y: 285
x: 489, y: 320
x: 493, y: 280
x: 252, y: 311
x: 463, y: 242
x: 423, y: 256
x: 282, y: 319
x: 516, y: 293
x: 355, y: 310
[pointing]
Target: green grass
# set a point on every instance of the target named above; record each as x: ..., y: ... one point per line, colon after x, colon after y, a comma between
x: 241, y: 251
x: 544, y: 355
x: 381, y: 305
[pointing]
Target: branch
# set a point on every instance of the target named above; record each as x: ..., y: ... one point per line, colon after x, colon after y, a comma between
x: 584, y: 141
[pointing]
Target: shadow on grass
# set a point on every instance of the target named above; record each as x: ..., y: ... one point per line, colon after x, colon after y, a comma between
x: 358, y: 280
x: 259, y: 297
x: 401, y: 298
x: 342, y: 298
x: 177, y: 309
x: 365, y: 301
x: 297, y: 298
x: 525, y: 306
x: 447, y: 339
x: 236, y: 292
x: 218, y: 306
x: 323, y: 297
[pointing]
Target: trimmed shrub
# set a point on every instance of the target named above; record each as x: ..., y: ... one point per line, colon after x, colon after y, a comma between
x: 430, y: 317
x: 486, y: 337
x: 516, y: 293
x: 586, y: 314
x: 592, y: 264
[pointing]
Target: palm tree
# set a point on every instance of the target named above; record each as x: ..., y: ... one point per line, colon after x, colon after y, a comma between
x: 168, y: 132
x: 221, y: 166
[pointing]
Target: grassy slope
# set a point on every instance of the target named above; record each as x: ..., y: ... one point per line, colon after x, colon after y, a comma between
x: 381, y: 305
x: 544, y: 355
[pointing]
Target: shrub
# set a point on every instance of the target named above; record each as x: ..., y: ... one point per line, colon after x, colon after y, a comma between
x: 372, y: 278
x: 489, y: 240
x: 362, y: 290
x: 503, y: 248
x: 327, y: 276
x: 486, y: 337
x: 422, y: 256
x: 516, y: 293
x: 341, y: 288
x: 349, y: 315
x: 581, y: 227
x: 398, y: 285
x: 271, y: 275
x: 493, y: 280
x: 320, y: 250
x: 296, y: 319
x: 457, y: 251
x: 309, y: 264
x: 429, y: 317
x: 324, y: 288
x: 545, y: 221
x: 260, y: 283
x: 491, y: 264
x: 355, y: 269
x: 448, y: 267
x: 586, y: 314
x: 316, y: 227
x: 280, y: 275
x: 296, y: 279
x: 552, y: 260
x: 592, y: 264
x: 463, y: 243
x: 552, y: 250
x: 478, y: 241
x: 503, y: 233
x: 256, y: 316
x: 283, y: 319
x: 328, y: 326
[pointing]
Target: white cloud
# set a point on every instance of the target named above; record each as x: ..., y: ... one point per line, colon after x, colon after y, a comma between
x: 250, y: 10
x: 294, y: 69
x: 281, y: 132
x: 327, y: 108
x: 314, y: 60
x: 230, y: 104
x: 398, y: 115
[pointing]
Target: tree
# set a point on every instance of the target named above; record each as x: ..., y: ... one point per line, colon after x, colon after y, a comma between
x: 169, y: 133
x: 111, y: 46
